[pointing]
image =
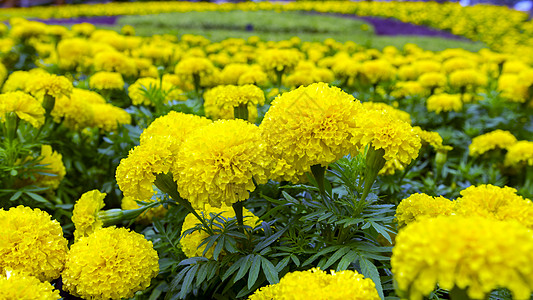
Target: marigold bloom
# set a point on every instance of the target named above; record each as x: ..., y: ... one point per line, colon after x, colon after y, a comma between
x: 53, y: 164
x: 472, y: 253
x: 218, y: 163
x: 22, y: 287
x: 311, y: 125
x: 73, y: 52
x: 84, y: 214
x: 521, y: 153
x: 318, y: 284
x: 376, y: 71
x: 404, y: 89
x: 431, y: 138
x: 190, y: 244
x: 419, y: 206
x: 491, y: 201
x: 194, y: 66
x: 31, y: 243
x: 113, y: 61
x: 146, y: 217
x: 396, y: 137
x: 106, y: 81
x: 108, y: 117
x: 136, y: 91
x: 497, y: 139
x: 432, y: 80
x: 160, y: 144
x: 279, y: 60
x: 394, y: 112
x: 24, y: 106
x: 111, y: 263
x: 221, y: 101
x: 468, y: 78
x: 48, y: 84
x: 444, y: 103
x: 83, y: 28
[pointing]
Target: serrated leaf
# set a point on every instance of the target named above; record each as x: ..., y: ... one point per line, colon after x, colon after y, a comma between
x: 347, y: 259
x: 177, y: 280
x: 269, y: 270
x: 320, y: 253
x: 37, y: 197
x: 336, y: 256
x: 202, y: 273
x: 219, y: 247
x: 16, y: 196
x: 254, y: 271
x: 296, y: 260
x: 187, y: 281
x: 369, y: 270
x: 233, y: 268
x: 283, y: 263
x: 269, y: 240
x: 244, y: 268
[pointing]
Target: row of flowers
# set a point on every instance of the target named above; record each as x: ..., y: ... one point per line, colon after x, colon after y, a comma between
x: 499, y: 27
x: 247, y: 161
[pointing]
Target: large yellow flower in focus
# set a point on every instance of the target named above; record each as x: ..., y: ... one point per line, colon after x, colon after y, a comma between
x: 218, y: 163
x: 472, y: 253
x: 24, y: 106
x: 419, y: 206
x: 318, y: 284
x: 311, y: 125
x: 31, y: 243
x: 24, y: 287
x: 84, y: 214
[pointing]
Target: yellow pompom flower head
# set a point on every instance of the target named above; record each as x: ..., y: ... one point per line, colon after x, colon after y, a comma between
x: 48, y: 87
x: 24, y: 106
x: 195, y: 69
x: 469, y: 256
x: 31, y: 243
x: 497, y: 139
x: 14, y: 285
x: 318, y: 284
x: 279, y: 61
x: 233, y: 102
x: 419, y: 206
x: 111, y: 263
x: 106, y: 81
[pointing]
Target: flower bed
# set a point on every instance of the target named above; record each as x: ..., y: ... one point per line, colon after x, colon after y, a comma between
x: 260, y: 169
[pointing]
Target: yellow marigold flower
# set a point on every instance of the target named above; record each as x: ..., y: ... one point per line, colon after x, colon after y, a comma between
x: 444, y: 103
x: 194, y: 66
x: 83, y: 28
x: 431, y: 138
x: 394, y: 112
x: 31, y: 243
x: 16, y: 81
x: 73, y: 52
x: 190, y: 244
x: 232, y: 72
x: 279, y: 60
x: 468, y: 78
x: 111, y: 263
x: 108, y: 117
x: 427, y: 66
x: 311, y: 125
x: 48, y: 84
x: 419, y: 206
x: 396, y: 137
x: 257, y: 77
x: 160, y: 145
x: 403, y: 89
x: 221, y: 101
x: 457, y: 63
x: 408, y: 72
x: 521, y: 153
x: 376, y: 71
x: 138, y: 96
x: 432, y: 80
x: 472, y: 253
x: 146, y: 217
x: 136, y: 173
x: 491, y: 201
x: 106, y: 81
x: 53, y: 164
x: 113, y: 61
x: 318, y: 284
x: 24, y: 106
x: 497, y: 139
x: 23, y: 287
x: 84, y: 214
x: 23, y: 29
x: 218, y: 163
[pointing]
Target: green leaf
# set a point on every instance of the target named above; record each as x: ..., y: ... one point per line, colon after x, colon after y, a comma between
x: 283, y: 263
x: 233, y: 268
x: 369, y: 270
x: 202, y: 272
x: 269, y: 240
x: 295, y: 259
x: 269, y: 270
x: 254, y: 271
x: 16, y: 196
x: 320, y: 253
x: 156, y: 292
x: 37, y: 197
x: 347, y: 259
x: 218, y: 247
x: 336, y: 256
x: 187, y: 281
x: 244, y: 268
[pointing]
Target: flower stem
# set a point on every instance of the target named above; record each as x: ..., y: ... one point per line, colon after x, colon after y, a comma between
x: 241, y: 111
x: 374, y: 163
x: 166, y: 184
x: 237, y: 207
x: 458, y: 294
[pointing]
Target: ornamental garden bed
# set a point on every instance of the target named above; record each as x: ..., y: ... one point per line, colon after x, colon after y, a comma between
x: 254, y: 151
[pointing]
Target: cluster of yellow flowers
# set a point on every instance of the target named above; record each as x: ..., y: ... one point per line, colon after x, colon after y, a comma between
x: 497, y: 26
x: 108, y: 263
x: 477, y: 243
x: 318, y: 284
x: 519, y: 153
